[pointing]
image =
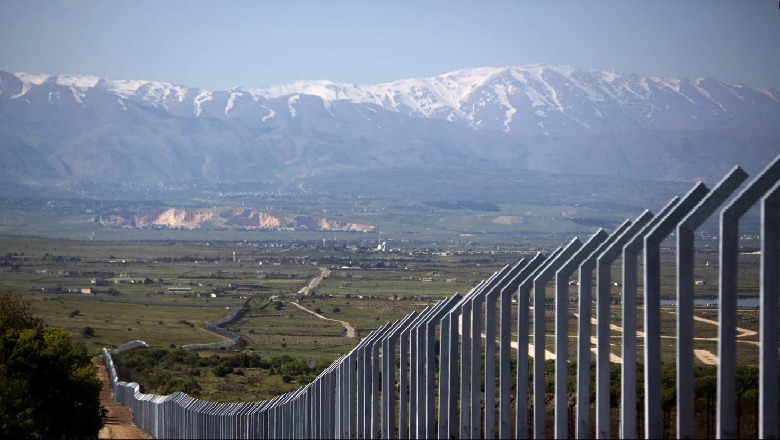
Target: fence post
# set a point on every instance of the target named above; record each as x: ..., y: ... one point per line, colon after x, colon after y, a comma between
x: 477, y: 299
x: 628, y: 412
x: 685, y: 282
x: 584, y: 306
x: 449, y: 427
x: 768, y: 362
x: 465, y: 370
x: 403, y: 381
x: 388, y: 376
x: 429, y: 326
x: 376, y: 344
x: 505, y: 369
x: 444, y: 377
x: 540, y: 335
x: 506, y: 283
x: 727, y: 307
x: 504, y: 289
x: 562, y: 331
x: 652, y: 277
x: 521, y: 390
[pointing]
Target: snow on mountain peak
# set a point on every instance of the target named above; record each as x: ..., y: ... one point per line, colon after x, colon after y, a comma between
x: 555, y: 97
x: 32, y: 79
x: 80, y: 82
x: 125, y: 88
x: 325, y: 89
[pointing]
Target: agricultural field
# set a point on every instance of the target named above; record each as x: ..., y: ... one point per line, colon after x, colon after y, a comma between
x: 111, y: 292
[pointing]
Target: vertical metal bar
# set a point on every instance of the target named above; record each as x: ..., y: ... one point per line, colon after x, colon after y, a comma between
x: 504, y: 281
x: 444, y: 376
x: 652, y: 307
x: 465, y: 371
x: 337, y: 407
x: 374, y: 425
x: 414, y: 378
x: 583, y: 353
x: 539, y: 339
x: 562, y: 331
x: 476, y: 366
x: 403, y: 381
x: 628, y: 413
x: 452, y: 419
x: 768, y: 426
x: 540, y: 282
x: 429, y: 326
x: 332, y: 384
x: 352, y: 400
x: 430, y: 365
x: 604, y: 297
x: 388, y: 387
x: 728, y: 283
x: 523, y: 321
x: 490, y: 367
x: 360, y: 391
x: 505, y: 323
x: 346, y: 398
x: 585, y: 303
x: 420, y: 388
x: 685, y: 282
x: 633, y: 234
x: 389, y: 374
x: 368, y: 387
x: 727, y: 317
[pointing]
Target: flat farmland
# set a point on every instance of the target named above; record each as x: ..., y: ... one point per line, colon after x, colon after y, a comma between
x: 115, y: 323
x: 129, y: 295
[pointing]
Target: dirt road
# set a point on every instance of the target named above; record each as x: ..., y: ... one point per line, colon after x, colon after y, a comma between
x: 350, y: 330
x: 119, y: 420
x: 324, y: 273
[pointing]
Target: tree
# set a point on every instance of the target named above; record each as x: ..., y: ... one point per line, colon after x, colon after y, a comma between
x: 48, y: 386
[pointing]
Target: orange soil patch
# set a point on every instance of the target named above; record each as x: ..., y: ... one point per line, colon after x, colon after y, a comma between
x: 119, y: 420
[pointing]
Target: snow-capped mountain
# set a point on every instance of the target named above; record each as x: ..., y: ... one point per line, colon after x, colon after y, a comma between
x: 537, y: 116
x: 536, y: 99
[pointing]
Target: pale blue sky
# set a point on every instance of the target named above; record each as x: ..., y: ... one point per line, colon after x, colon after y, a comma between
x: 220, y: 44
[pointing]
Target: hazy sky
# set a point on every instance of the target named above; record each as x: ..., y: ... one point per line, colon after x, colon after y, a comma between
x: 221, y: 44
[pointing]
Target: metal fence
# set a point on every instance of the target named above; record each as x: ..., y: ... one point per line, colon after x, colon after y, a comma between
x: 232, y: 339
x: 402, y: 381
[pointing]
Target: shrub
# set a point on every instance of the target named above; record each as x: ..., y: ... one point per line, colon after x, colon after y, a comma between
x: 222, y: 370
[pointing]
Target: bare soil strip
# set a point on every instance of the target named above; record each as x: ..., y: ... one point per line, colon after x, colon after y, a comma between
x: 706, y: 356
x: 324, y: 273
x: 119, y: 420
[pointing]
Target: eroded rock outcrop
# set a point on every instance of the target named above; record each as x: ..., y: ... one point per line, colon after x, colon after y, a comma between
x: 245, y: 218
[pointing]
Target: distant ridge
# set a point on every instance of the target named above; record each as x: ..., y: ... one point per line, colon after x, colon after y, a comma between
x: 552, y: 118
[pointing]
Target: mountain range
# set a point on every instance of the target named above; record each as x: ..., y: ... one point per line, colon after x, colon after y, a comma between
x: 548, y: 118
